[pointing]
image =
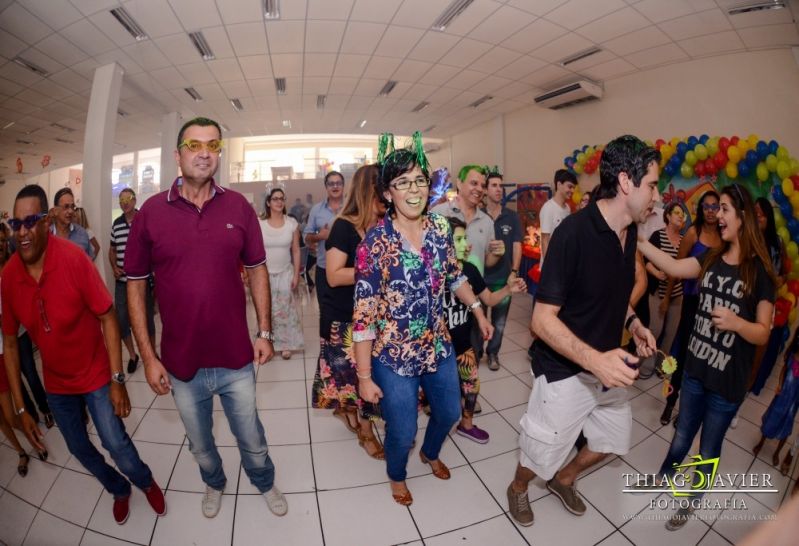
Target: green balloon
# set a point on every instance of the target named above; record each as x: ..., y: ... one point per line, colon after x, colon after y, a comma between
x: 771, y: 163
x: 701, y: 152
x: 686, y: 170
x: 762, y: 172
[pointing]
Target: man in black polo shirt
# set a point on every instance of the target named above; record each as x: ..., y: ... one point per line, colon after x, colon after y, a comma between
x: 582, y: 306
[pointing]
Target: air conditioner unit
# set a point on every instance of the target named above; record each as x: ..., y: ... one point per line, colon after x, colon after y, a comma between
x: 571, y: 94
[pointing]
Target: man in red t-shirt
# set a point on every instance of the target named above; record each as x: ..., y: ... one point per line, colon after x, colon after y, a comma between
x: 52, y: 289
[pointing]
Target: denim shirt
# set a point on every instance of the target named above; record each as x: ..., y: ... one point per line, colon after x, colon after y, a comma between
x: 399, y: 296
x: 79, y: 236
x: 321, y: 215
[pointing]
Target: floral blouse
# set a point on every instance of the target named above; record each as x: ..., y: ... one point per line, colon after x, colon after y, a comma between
x: 399, y: 295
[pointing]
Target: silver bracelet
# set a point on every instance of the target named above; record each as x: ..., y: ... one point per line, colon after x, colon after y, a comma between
x: 369, y: 376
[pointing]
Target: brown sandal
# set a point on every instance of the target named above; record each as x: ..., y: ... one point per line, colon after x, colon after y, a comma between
x: 22, y: 467
x: 371, y: 444
x: 345, y: 415
x: 442, y: 472
x: 405, y: 499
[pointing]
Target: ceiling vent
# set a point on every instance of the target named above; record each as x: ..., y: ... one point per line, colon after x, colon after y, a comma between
x: 756, y: 6
x: 569, y: 95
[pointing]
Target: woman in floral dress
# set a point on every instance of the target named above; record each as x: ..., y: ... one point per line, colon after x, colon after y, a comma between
x: 335, y: 383
x: 282, y: 243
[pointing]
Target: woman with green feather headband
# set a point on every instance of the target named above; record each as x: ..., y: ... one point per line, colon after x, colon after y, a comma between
x: 402, y: 268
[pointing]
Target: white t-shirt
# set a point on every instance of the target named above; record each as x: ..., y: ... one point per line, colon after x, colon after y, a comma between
x: 277, y: 242
x: 550, y: 217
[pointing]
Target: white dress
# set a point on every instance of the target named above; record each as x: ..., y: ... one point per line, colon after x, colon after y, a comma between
x: 285, y: 314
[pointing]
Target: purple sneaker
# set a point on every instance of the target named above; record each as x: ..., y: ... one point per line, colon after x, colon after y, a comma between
x: 475, y: 434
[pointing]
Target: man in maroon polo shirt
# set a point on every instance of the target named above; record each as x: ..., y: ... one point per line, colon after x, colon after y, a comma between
x: 193, y: 238
x: 52, y: 289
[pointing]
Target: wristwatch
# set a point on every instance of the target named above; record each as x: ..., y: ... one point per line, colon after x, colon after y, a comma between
x: 265, y: 334
x: 474, y: 305
x: 118, y: 377
x: 515, y: 272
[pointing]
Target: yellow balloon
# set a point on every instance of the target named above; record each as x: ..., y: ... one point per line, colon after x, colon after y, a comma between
x: 577, y: 196
x: 771, y: 163
x: 791, y: 298
x: 778, y: 218
x: 761, y: 172
x: 783, y: 168
x: 787, y: 189
x: 794, y: 199
x: 783, y: 233
x: 793, y: 314
x: 782, y: 291
x: 674, y: 141
x: 578, y: 168
x: 752, y: 140
x: 782, y: 152
x: 732, y: 170
x: 743, y: 147
x: 792, y: 250
x: 734, y: 154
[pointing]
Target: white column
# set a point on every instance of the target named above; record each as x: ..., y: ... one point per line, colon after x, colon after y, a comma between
x: 170, y: 126
x: 499, y: 142
x: 98, y: 148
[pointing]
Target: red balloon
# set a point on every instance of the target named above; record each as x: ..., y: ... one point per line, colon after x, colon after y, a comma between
x: 724, y: 143
x: 795, y: 184
x: 659, y: 142
x: 734, y: 140
x: 793, y: 287
x: 710, y: 168
x: 720, y: 159
x: 699, y: 169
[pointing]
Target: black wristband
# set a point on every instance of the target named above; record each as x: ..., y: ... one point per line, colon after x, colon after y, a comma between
x: 629, y: 321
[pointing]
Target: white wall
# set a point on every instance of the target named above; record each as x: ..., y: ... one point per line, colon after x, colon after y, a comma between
x: 737, y: 94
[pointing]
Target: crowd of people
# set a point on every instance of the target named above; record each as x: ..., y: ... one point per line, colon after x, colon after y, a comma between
x: 412, y: 299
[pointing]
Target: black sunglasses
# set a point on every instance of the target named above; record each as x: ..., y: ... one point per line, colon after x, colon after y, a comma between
x: 29, y: 221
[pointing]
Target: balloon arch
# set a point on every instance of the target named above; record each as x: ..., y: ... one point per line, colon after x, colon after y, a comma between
x: 691, y: 166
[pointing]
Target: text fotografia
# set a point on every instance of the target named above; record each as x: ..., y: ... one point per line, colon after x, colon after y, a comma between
x: 696, y: 478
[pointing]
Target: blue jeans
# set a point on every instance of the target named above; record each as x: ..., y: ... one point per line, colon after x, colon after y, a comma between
x: 399, y: 407
x: 699, y: 407
x: 27, y: 365
x: 499, y: 316
x: 68, y: 416
x: 236, y: 390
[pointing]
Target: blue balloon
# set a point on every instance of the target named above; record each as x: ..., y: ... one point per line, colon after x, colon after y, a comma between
x: 692, y: 142
x: 703, y: 139
x: 744, y: 170
x: 669, y: 169
x: 585, y: 147
x: 682, y: 147
x: 793, y: 227
x: 751, y: 160
x: 772, y: 146
x: 779, y: 195
x: 786, y: 209
x: 675, y: 162
x: 762, y: 150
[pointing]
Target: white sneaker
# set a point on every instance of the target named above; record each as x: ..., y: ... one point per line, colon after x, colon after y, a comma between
x: 212, y: 501
x: 734, y: 422
x: 276, y: 501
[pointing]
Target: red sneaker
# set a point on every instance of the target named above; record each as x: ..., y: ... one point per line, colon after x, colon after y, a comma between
x: 156, y: 498
x: 121, y: 509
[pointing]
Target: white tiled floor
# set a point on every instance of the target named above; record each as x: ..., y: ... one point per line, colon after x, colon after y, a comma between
x: 338, y: 495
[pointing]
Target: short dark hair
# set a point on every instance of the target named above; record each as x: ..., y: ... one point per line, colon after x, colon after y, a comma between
x: 128, y: 190
x: 61, y: 193
x: 562, y: 176
x: 625, y: 154
x: 668, y: 210
x: 395, y: 164
x: 491, y: 175
x: 34, y: 190
x: 333, y: 173
x: 200, y: 121
x: 455, y: 222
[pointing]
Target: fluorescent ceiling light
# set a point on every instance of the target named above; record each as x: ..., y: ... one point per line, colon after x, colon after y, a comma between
x: 362, y: 123
x: 429, y: 129
x: 481, y: 100
x: 237, y: 106
x: 224, y: 127
x: 320, y: 102
x: 33, y: 67
x: 62, y: 127
x: 9, y: 124
x: 421, y: 106
x: 193, y: 93
x: 130, y: 24
x: 271, y: 9
x: 579, y: 56
x: 64, y: 141
x: 388, y: 88
x: 202, y: 46
x: 450, y: 13
x: 287, y: 123
x: 280, y: 86
x: 756, y: 6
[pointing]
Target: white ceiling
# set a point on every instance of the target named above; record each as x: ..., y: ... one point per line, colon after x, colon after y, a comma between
x: 345, y: 49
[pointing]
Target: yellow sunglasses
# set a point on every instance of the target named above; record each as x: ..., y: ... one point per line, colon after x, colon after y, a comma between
x: 194, y: 146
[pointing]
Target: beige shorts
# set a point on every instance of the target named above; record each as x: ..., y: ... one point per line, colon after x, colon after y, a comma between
x: 557, y: 412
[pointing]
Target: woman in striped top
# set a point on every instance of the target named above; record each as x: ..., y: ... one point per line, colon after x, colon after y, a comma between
x: 664, y: 312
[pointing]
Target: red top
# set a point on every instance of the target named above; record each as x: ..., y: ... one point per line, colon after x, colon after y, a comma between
x: 67, y: 300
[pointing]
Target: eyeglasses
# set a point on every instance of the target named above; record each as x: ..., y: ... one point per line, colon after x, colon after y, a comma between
x: 405, y: 184
x: 281, y: 199
x: 711, y: 207
x: 195, y: 146
x: 335, y: 184
x: 127, y: 199
x: 70, y: 206
x: 29, y: 221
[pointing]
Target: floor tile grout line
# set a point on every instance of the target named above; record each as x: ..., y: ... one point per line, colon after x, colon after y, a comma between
x: 311, y: 451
